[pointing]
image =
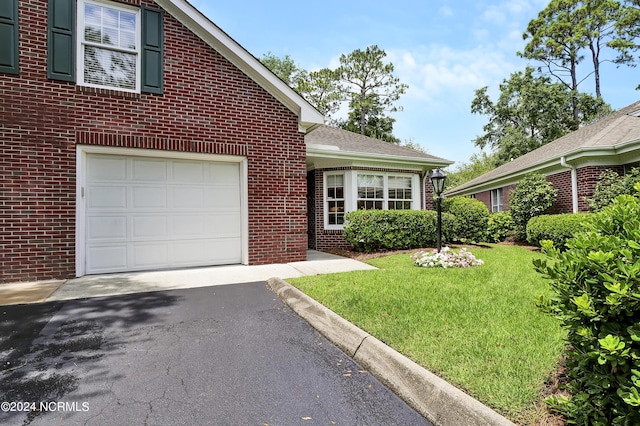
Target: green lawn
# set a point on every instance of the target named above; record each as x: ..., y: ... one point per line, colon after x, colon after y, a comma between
x: 478, y: 327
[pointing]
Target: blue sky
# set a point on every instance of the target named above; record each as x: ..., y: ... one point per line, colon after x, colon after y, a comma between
x: 443, y: 49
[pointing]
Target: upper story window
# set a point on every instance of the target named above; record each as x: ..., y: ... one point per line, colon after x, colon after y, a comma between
x: 109, y: 45
x: 496, y: 200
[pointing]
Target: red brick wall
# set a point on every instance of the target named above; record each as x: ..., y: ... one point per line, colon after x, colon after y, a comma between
x: 587, y: 179
x: 208, y: 106
x: 485, y: 197
x: 564, y: 200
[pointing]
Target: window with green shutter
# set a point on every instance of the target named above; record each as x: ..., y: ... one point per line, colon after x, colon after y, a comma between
x: 112, y: 45
x: 9, y: 36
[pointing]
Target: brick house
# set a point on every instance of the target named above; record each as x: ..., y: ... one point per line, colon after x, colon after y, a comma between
x: 572, y: 163
x: 137, y: 135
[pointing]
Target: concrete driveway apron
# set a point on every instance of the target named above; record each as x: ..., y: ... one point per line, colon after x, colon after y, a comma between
x: 223, y: 355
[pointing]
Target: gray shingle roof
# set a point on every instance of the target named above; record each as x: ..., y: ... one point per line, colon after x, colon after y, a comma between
x: 333, y: 138
x: 615, y: 129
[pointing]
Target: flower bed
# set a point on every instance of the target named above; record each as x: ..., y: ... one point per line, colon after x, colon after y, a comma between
x: 447, y: 258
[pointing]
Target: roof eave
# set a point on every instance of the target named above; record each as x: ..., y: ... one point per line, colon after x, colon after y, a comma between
x: 582, y: 154
x: 381, y: 158
x: 308, y: 116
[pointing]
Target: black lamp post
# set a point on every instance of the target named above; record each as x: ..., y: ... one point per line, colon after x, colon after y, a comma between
x: 437, y: 181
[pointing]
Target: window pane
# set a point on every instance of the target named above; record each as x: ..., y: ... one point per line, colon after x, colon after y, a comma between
x: 108, y: 68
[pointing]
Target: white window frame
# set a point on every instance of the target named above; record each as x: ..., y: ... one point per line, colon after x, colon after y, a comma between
x: 497, y: 200
x: 351, y: 191
x: 81, y: 43
x: 326, y: 200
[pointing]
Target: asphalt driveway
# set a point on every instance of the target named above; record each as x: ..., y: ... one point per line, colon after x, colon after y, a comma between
x: 223, y: 355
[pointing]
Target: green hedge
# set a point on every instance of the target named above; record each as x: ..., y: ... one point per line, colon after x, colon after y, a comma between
x: 371, y: 230
x: 472, y: 216
x: 595, y: 287
x: 556, y: 227
x: 501, y: 227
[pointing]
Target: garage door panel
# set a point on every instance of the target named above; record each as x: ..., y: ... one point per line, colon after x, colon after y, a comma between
x: 222, y: 225
x: 107, y: 259
x: 147, y: 255
x: 144, y: 169
x: 107, y: 167
x: 107, y: 228
x: 222, y: 198
x: 190, y: 225
x: 223, y: 174
x: 110, y: 197
x: 188, y: 171
x: 193, y: 253
x: 188, y: 198
x: 149, y: 197
x: 148, y: 227
x: 163, y: 213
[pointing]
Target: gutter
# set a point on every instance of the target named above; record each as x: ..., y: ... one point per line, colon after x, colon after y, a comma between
x: 574, y: 183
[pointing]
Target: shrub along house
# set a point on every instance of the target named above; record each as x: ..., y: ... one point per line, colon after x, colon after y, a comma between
x: 572, y: 163
x: 137, y: 135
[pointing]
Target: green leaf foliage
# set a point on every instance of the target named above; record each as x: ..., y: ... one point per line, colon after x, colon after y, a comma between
x: 557, y: 228
x: 595, y: 286
x: 610, y: 185
x: 500, y: 227
x: 530, y: 111
x: 471, y: 215
x: 372, y: 230
x: 532, y: 197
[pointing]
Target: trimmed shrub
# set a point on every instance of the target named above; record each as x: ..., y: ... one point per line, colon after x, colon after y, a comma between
x: 472, y: 216
x: 532, y: 197
x: 372, y: 230
x: 610, y: 185
x: 596, y: 296
x: 500, y: 227
x: 555, y: 227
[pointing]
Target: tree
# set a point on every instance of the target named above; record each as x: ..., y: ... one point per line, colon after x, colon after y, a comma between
x: 372, y: 89
x: 565, y: 28
x: 377, y: 126
x: 478, y: 164
x: 628, y: 27
x: 285, y: 68
x: 554, y: 43
x: 530, y: 112
x: 322, y: 89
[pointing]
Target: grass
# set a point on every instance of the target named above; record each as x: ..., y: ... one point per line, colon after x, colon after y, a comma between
x: 478, y: 328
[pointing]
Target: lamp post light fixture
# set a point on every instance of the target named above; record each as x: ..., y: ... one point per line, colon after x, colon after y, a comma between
x: 437, y: 181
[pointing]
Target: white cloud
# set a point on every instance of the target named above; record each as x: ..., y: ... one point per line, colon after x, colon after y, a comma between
x: 446, y: 11
x: 436, y: 73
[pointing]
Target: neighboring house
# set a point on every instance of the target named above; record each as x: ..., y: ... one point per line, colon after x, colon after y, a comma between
x: 572, y: 163
x: 137, y: 135
x: 348, y: 171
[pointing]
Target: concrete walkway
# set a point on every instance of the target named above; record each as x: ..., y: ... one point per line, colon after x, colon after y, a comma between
x: 138, y: 282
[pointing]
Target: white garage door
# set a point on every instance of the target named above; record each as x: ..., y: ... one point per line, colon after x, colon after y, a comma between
x: 152, y: 213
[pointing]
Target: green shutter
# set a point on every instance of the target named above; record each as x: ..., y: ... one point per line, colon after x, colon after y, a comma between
x: 152, y: 50
x: 61, y: 40
x: 9, y: 36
